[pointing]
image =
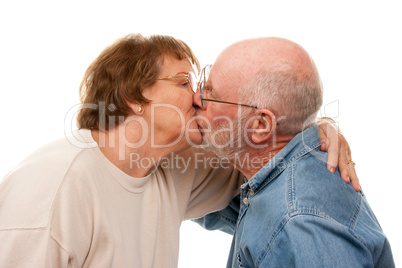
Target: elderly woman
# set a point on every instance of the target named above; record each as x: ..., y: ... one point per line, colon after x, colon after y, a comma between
x: 114, y: 193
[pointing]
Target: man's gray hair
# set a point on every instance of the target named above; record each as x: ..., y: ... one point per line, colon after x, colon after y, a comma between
x: 293, y: 95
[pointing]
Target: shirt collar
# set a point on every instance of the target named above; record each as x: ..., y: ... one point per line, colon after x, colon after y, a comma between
x: 303, y: 143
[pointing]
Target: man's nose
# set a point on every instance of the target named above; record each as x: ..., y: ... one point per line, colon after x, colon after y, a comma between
x: 197, y: 100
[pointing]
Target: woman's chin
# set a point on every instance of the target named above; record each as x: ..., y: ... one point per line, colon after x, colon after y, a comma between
x: 186, y: 141
x: 194, y: 138
x: 196, y: 142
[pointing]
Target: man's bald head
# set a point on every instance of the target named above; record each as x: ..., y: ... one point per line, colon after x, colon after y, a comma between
x: 274, y: 73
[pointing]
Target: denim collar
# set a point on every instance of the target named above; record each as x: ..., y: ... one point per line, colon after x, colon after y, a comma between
x: 301, y: 144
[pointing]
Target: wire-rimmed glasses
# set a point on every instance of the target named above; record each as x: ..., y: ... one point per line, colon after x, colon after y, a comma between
x: 203, y: 89
x: 191, y: 79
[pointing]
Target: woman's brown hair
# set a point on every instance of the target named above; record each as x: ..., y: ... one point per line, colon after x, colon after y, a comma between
x: 119, y: 75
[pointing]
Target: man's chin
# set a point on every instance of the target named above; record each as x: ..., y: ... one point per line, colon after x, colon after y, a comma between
x: 206, y: 145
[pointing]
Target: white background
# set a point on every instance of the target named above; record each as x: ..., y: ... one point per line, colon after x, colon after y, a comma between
x: 46, y: 47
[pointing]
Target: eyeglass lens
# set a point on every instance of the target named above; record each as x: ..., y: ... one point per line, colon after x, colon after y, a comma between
x: 193, y: 81
x: 203, y: 81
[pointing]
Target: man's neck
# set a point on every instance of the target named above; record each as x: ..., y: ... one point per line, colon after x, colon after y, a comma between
x: 252, y: 159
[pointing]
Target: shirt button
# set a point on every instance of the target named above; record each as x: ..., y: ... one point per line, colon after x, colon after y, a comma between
x: 245, y: 201
x: 251, y: 192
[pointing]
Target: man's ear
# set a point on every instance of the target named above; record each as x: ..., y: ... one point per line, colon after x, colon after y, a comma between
x: 263, y: 126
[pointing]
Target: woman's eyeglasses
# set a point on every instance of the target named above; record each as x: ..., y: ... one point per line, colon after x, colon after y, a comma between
x: 191, y: 79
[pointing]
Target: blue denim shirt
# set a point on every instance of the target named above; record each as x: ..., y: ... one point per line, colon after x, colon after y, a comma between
x: 295, y: 213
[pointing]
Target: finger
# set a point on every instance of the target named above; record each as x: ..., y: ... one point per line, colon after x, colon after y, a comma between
x: 352, y: 173
x: 351, y: 169
x: 324, y: 146
x: 343, y: 165
x: 333, y: 153
x: 344, y: 157
x: 353, y: 178
x: 323, y: 139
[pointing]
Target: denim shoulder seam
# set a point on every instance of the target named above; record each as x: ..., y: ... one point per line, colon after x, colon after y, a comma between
x: 285, y: 165
x: 353, y: 222
x: 353, y: 219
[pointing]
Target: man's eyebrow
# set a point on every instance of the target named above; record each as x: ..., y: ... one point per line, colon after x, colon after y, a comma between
x: 210, y: 85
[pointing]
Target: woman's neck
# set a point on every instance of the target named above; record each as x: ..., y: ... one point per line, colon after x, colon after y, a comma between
x: 128, y: 150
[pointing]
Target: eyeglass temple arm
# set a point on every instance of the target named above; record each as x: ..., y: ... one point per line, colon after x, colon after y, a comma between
x: 233, y: 103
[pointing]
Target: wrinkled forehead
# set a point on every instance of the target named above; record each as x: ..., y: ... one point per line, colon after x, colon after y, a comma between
x: 223, y: 82
x: 226, y: 76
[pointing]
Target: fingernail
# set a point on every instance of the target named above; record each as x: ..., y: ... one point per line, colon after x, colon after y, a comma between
x: 348, y: 179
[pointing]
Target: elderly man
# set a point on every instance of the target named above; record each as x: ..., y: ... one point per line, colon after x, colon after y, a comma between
x: 258, y: 109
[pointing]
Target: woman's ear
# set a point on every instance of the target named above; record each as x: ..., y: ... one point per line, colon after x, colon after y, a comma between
x: 263, y: 126
x: 137, y: 108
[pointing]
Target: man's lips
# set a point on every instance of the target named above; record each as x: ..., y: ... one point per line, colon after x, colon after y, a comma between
x: 198, y: 120
x: 200, y: 129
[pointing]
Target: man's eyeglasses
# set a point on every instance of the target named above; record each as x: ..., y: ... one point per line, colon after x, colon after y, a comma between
x: 203, y: 90
x: 190, y: 76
